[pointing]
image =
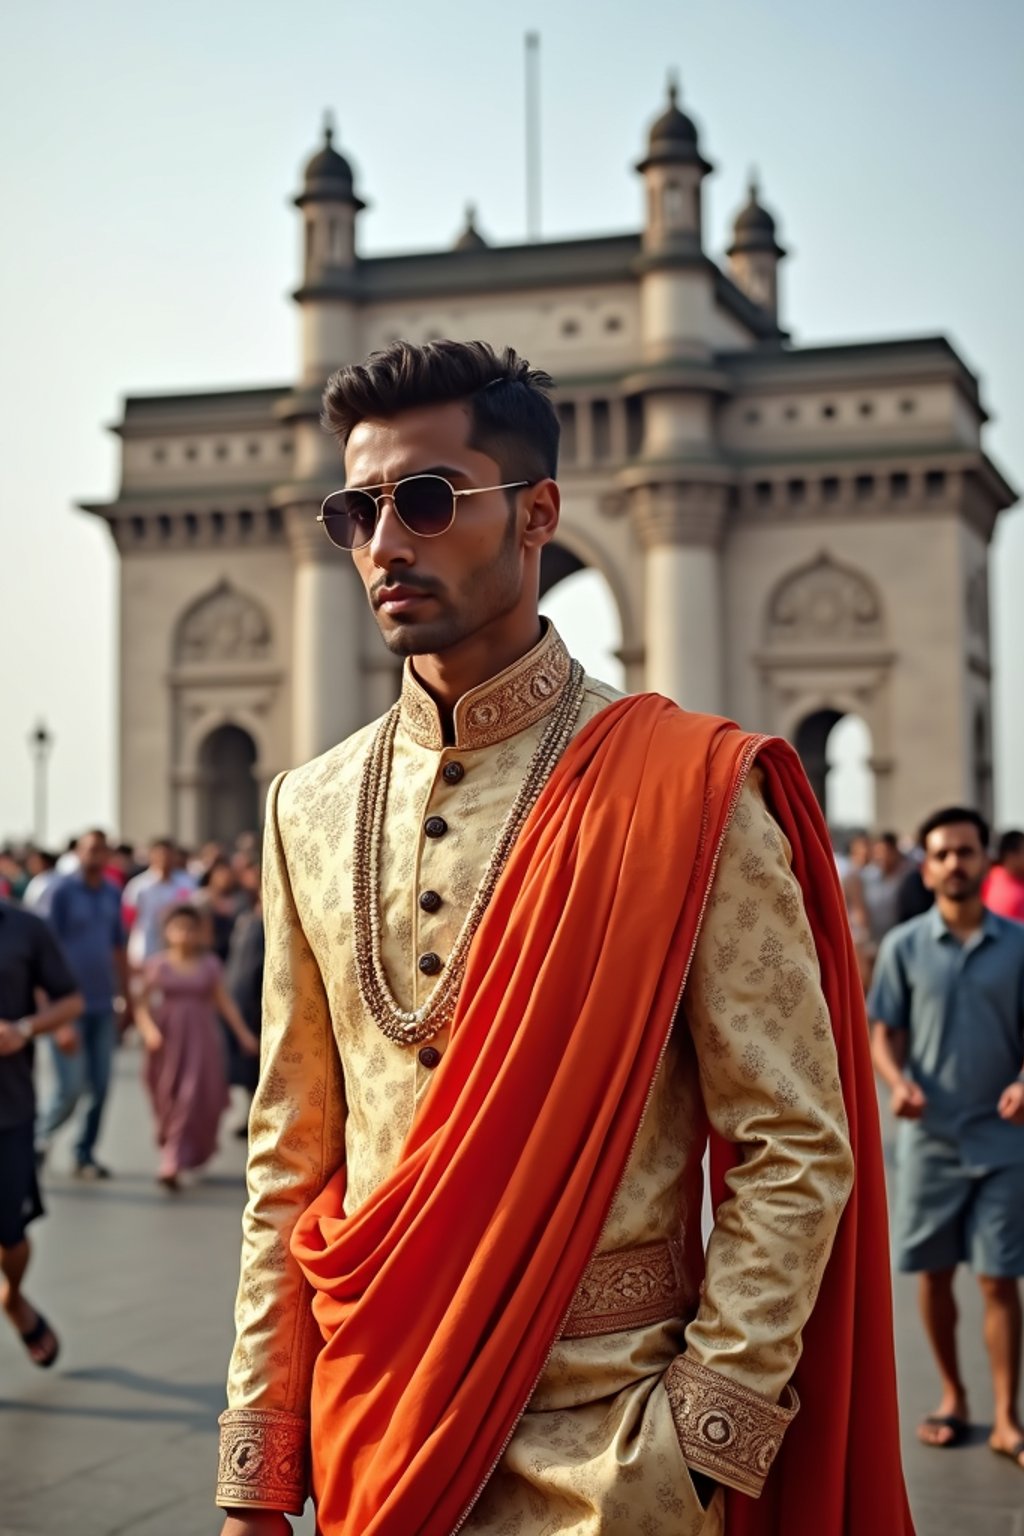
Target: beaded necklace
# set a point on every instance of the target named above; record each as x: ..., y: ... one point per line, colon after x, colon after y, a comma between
x: 413, y: 1026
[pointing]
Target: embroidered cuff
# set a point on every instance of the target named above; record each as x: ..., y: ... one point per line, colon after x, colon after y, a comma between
x: 725, y: 1430
x: 629, y: 1288
x: 264, y: 1457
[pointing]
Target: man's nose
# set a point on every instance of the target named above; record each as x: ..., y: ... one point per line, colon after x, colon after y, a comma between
x: 392, y: 542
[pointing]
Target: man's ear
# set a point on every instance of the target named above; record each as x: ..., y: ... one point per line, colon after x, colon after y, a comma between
x: 543, y: 507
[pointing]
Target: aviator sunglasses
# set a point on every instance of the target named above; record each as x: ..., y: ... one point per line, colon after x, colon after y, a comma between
x: 425, y: 504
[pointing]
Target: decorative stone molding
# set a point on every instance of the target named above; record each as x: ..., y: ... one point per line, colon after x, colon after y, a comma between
x: 223, y: 626
x: 824, y: 601
x: 688, y: 513
x: 977, y: 605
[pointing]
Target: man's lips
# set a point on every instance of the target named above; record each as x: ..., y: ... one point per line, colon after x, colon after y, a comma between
x: 398, y: 599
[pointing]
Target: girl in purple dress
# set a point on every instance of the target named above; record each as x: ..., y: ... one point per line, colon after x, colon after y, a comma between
x: 185, y: 1068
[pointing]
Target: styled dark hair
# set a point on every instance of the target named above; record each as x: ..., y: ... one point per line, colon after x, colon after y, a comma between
x: 951, y: 816
x: 513, y: 420
x: 890, y: 839
x: 1010, y: 843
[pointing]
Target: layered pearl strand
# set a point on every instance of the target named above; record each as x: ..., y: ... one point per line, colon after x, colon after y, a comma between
x: 412, y: 1027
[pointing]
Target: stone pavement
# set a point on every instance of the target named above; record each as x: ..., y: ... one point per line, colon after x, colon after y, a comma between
x: 121, y: 1436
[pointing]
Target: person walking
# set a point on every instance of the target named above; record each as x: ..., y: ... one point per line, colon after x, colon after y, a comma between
x: 177, y: 1014
x: 474, y: 1291
x: 947, y: 1006
x: 85, y: 915
x: 31, y: 965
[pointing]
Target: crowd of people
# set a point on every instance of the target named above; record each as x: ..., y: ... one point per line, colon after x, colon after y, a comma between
x: 96, y: 943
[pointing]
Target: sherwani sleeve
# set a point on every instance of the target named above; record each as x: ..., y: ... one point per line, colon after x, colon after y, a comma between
x: 770, y: 1082
x: 296, y: 1141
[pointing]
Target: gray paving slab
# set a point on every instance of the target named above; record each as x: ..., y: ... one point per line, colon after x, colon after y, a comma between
x: 120, y: 1439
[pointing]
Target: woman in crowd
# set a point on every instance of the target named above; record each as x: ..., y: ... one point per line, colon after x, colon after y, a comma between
x: 177, y: 1016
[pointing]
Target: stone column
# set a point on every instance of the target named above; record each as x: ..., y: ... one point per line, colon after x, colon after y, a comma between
x: 327, y: 702
x: 680, y: 528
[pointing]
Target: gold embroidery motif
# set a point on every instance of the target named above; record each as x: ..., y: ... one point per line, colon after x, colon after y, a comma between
x: 724, y: 1429
x: 502, y: 707
x: 263, y: 1460
x: 628, y: 1289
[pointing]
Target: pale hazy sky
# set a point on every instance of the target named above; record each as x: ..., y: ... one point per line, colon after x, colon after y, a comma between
x: 149, y: 152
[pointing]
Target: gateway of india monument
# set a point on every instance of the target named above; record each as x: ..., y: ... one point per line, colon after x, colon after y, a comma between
x: 790, y: 534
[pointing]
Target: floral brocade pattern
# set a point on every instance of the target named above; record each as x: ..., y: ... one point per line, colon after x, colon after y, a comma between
x: 596, y: 1453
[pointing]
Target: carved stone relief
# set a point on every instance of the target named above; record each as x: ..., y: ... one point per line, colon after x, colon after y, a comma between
x: 824, y: 601
x: 224, y: 625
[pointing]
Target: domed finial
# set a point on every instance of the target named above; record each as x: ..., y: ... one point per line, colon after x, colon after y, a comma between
x: 328, y: 127
x: 673, y: 87
x: 754, y: 185
x: 470, y: 239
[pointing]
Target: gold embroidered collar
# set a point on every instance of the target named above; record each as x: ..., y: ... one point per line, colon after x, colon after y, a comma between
x: 502, y: 707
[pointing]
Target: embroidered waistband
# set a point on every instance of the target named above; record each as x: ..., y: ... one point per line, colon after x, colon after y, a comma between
x: 631, y: 1288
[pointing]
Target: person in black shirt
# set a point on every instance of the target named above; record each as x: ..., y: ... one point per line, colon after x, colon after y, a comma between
x: 30, y: 962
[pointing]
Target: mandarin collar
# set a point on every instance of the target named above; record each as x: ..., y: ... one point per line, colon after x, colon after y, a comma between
x: 502, y: 707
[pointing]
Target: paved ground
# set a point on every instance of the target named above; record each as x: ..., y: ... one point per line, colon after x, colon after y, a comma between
x: 120, y: 1438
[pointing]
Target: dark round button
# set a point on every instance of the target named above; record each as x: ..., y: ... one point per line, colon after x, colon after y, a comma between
x: 430, y: 963
x: 430, y: 901
x: 429, y: 1056
x: 435, y: 826
x: 453, y: 773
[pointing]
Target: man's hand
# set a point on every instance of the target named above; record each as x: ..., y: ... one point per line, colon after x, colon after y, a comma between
x: 11, y: 1039
x: 1011, y: 1103
x: 256, y: 1522
x: 907, y: 1101
x: 66, y: 1039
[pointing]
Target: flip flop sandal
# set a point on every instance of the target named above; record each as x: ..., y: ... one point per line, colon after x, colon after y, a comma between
x: 35, y: 1335
x: 958, y: 1431
x: 1013, y: 1452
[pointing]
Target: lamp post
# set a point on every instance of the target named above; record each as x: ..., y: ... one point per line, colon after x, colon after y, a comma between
x: 41, y: 745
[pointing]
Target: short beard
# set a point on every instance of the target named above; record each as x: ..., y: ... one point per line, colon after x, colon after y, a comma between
x: 488, y: 593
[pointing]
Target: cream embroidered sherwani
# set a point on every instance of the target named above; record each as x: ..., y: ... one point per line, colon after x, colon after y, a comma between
x: 669, y: 1361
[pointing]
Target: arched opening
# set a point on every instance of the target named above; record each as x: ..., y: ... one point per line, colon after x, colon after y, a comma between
x: 835, y: 749
x: 579, y: 602
x: 228, y: 791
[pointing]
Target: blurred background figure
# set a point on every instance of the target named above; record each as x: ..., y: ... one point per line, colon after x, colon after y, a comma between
x: 85, y: 916
x: 182, y: 995
x: 244, y: 981
x: 31, y: 966
x: 42, y: 868
x: 1004, y: 888
x: 149, y: 896
x: 881, y: 879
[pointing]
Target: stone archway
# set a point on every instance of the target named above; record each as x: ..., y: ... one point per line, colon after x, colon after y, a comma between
x: 229, y: 792
x: 831, y: 765
x: 581, y: 602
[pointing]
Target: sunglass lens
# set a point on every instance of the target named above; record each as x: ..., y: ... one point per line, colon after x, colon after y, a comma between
x: 350, y: 518
x: 425, y: 504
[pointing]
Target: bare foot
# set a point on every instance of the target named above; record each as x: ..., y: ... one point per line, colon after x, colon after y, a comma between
x: 1008, y: 1440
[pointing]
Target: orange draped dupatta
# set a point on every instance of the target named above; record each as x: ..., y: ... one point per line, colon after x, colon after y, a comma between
x: 440, y: 1298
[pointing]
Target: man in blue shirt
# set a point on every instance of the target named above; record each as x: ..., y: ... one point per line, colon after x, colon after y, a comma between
x: 947, y: 1001
x: 85, y: 915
